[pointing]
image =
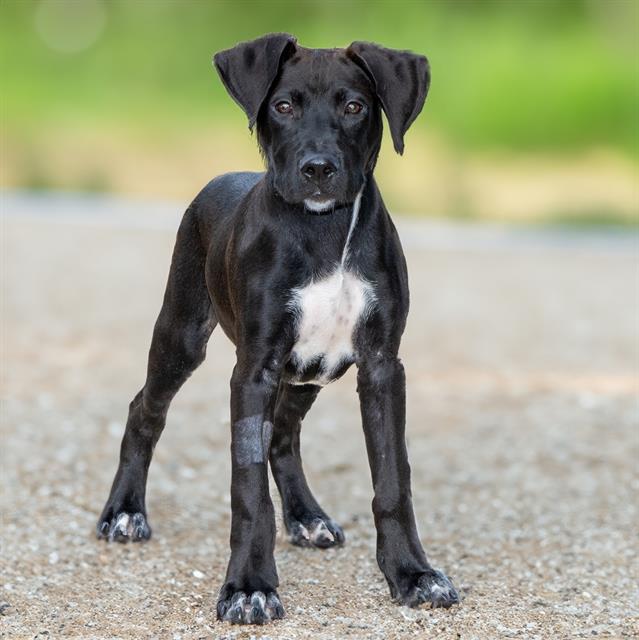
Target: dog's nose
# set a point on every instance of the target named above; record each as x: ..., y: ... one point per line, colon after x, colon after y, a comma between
x: 318, y: 170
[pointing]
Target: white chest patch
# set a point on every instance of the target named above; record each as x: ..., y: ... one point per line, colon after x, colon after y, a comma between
x: 328, y: 311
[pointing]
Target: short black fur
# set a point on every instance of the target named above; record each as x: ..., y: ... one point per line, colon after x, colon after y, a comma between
x: 246, y: 243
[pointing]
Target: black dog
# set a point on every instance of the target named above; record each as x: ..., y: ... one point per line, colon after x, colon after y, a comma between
x: 303, y: 269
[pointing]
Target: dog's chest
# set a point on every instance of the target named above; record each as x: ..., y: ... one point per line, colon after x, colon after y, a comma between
x: 327, y: 313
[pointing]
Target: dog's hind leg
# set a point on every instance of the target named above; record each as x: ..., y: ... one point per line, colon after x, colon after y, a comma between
x: 306, y: 522
x: 178, y: 346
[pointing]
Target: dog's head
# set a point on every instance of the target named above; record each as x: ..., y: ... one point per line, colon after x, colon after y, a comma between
x: 318, y: 111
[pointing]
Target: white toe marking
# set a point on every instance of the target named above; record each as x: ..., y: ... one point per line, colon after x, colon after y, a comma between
x: 259, y: 599
x: 438, y: 588
x: 321, y: 531
x: 122, y: 523
x: 301, y: 530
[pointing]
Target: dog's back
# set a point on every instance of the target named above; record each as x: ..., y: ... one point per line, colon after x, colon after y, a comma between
x: 217, y: 203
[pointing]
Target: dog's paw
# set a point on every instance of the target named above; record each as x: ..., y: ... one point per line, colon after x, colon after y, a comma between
x: 433, y: 587
x: 319, y: 532
x: 124, y: 527
x: 250, y: 608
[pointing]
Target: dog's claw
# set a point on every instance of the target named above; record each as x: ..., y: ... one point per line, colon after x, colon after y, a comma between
x: 258, y: 608
x: 235, y: 612
x: 321, y: 535
x: 299, y: 535
x: 273, y: 604
x: 257, y: 614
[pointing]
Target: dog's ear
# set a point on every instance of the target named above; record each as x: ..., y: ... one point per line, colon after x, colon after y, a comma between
x: 249, y: 69
x: 401, y: 80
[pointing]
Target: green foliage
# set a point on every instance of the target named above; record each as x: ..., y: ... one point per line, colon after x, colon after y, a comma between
x: 518, y: 74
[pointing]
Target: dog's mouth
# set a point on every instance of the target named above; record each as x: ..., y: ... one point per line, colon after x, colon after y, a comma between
x: 319, y: 204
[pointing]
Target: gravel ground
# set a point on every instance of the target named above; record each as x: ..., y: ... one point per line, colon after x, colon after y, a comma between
x: 522, y: 356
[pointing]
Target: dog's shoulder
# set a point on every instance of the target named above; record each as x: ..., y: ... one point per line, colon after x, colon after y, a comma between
x: 226, y: 191
x: 219, y: 199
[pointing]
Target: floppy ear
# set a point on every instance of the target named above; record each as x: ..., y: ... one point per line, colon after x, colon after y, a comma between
x: 249, y: 69
x: 401, y: 79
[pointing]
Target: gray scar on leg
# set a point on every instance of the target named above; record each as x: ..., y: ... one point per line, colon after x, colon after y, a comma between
x: 252, y: 440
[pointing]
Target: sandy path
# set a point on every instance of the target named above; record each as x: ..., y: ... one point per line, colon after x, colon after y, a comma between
x: 522, y: 355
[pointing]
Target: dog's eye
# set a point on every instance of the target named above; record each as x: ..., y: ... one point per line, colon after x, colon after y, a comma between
x: 353, y: 107
x: 284, y: 107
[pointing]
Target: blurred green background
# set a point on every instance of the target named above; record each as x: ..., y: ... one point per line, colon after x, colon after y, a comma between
x: 533, y: 112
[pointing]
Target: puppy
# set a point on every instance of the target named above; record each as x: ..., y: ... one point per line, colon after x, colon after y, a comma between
x: 302, y: 268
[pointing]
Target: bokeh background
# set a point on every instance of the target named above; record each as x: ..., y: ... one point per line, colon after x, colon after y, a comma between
x: 521, y: 348
x: 533, y: 113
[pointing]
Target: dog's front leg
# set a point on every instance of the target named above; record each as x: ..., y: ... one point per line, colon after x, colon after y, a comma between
x: 381, y: 386
x: 249, y: 592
